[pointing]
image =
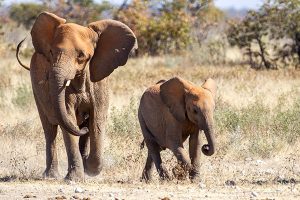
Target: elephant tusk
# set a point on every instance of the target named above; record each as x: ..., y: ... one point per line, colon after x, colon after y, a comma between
x: 68, y: 83
x: 41, y: 82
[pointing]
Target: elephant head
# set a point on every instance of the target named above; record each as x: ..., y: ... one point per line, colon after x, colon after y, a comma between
x: 69, y: 47
x: 188, y: 102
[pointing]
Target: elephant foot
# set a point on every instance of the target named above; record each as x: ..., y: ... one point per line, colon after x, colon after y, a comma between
x: 179, y: 172
x: 146, y: 176
x: 51, y: 174
x: 194, y: 176
x: 75, y: 175
x: 163, y: 173
x: 92, y: 173
x: 93, y: 169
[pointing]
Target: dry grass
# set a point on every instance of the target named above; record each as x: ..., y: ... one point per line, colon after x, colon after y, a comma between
x: 257, y: 118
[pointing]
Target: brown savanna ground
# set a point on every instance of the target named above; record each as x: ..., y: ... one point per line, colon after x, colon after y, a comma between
x: 257, y: 126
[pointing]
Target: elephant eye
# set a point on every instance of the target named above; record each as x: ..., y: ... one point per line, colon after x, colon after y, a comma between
x: 80, y: 55
x: 195, y: 111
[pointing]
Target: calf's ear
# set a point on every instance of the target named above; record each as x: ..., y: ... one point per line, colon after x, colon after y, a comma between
x: 172, y: 93
x: 211, y: 86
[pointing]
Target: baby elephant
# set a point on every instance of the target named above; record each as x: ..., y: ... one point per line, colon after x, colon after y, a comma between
x: 169, y: 113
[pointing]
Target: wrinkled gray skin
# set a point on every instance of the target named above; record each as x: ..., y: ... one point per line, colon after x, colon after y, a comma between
x: 169, y: 113
x: 68, y: 72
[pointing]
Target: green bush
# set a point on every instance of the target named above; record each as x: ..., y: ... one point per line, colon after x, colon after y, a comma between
x: 125, y: 137
x: 23, y: 96
x: 124, y: 121
x: 165, y: 32
x: 286, y: 123
x: 77, y: 11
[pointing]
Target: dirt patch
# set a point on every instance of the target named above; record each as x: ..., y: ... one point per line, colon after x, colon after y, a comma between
x: 59, y: 190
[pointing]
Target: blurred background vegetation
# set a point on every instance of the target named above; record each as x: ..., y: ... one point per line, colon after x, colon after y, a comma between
x: 267, y: 38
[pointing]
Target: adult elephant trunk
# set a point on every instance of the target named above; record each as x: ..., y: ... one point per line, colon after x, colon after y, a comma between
x: 57, y: 87
x: 209, y: 149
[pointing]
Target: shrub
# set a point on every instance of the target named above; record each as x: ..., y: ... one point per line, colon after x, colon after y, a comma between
x: 257, y: 130
x: 78, y: 11
x: 23, y: 96
x: 286, y: 123
x: 124, y: 121
x: 166, y: 31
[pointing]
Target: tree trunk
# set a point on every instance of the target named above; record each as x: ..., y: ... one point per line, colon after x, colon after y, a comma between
x: 262, y: 53
x: 297, y: 47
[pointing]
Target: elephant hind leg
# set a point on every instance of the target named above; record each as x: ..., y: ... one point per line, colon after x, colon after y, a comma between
x: 148, y: 168
x: 84, y: 147
x: 154, y: 156
x: 84, y: 142
x: 153, y: 151
x: 161, y: 169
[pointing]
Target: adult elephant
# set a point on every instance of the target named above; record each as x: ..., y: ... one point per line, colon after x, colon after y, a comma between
x: 70, y: 94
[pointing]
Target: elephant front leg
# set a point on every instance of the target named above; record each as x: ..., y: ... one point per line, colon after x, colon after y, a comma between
x: 183, y: 161
x: 50, y: 132
x: 84, y: 147
x: 175, y: 144
x: 94, y: 162
x: 75, y: 164
x: 195, y: 155
x: 84, y: 143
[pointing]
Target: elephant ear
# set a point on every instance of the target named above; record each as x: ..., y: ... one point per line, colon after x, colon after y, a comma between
x: 172, y: 93
x: 43, y: 31
x: 211, y: 86
x: 115, y: 42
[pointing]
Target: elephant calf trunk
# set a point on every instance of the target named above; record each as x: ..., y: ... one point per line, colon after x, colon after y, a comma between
x: 209, y: 149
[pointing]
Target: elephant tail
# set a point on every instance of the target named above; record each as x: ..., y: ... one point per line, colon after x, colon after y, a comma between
x: 17, y: 55
x: 161, y: 81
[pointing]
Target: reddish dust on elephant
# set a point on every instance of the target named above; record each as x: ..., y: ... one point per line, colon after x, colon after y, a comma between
x: 169, y: 113
x: 68, y: 74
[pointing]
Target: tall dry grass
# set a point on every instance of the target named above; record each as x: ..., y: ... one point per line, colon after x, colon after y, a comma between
x: 257, y: 117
